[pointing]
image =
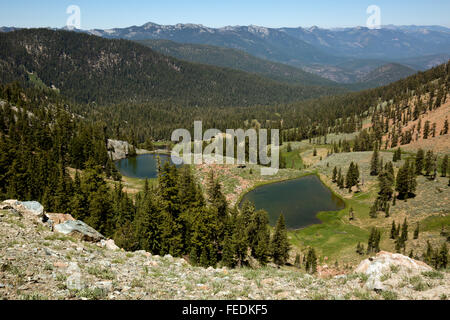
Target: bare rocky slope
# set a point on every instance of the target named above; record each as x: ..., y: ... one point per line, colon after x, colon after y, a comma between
x: 38, y: 263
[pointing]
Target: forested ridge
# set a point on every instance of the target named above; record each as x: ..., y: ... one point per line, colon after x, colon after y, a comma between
x: 40, y: 141
x: 299, y: 120
x: 92, y: 69
x: 236, y: 59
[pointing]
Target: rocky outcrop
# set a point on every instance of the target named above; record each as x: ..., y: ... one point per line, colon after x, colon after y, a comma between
x: 79, y: 230
x: 120, y: 149
x: 109, y: 244
x: 37, y: 264
x: 31, y: 207
x: 386, y: 269
x: 58, y: 218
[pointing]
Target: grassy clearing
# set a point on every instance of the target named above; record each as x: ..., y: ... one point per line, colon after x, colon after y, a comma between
x: 435, y: 223
x: 334, y: 238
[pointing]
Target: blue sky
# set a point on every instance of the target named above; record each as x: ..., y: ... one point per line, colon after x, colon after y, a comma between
x: 214, y: 13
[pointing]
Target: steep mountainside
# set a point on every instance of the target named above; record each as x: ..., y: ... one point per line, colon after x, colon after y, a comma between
x: 235, y: 59
x: 386, y: 74
x: 89, y: 68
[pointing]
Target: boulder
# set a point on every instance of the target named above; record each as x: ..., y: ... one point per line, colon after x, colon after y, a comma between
x: 79, y: 230
x: 393, y: 264
x: 105, y: 286
x: 58, y: 218
x: 33, y: 207
x: 109, y: 244
x: 120, y: 149
x: 74, y: 280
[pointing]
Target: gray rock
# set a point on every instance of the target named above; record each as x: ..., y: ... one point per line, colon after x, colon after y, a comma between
x: 120, y: 149
x: 50, y: 252
x: 79, y: 230
x: 74, y: 280
x: 33, y: 206
x: 105, y: 286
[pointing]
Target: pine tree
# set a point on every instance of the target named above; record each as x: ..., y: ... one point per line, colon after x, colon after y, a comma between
x: 259, y: 236
x: 429, y: 163
x: 387, y: 210
x: 397, y: 155
x: 426, y: 130
x: 280, y: 244
x: 443, y: 257
x: 401, y: 241
x: 393, y: 231
x: 335, y: 172
x: 297, y: 262
x: 375, y: 162
x: 228, y: 259
x: 350, y: 178
x: 386, y: 182
x: 406, y: 181
x: 373, y: 212
x: 428, y: 256
x: 416, y: 232
x: 340, y: 179
x: 373, y: 245
x: 204, y: 260
x: 445, y: 129
x: 444, y: 166
x: 420, y: 156
x: 311, y: 261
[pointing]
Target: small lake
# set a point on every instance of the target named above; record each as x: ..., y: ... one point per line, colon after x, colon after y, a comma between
x: 300, y: 201
x: 142, y: 166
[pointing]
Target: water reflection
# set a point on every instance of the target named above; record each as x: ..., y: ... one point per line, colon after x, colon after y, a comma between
x: 299, y: 200
x: 142, y: 167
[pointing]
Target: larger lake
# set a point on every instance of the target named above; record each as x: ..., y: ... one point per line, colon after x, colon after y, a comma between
x: 300, y: 201
x: 143, y: 166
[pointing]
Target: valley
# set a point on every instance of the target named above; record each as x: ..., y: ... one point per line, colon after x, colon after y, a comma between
x: 93, y: 206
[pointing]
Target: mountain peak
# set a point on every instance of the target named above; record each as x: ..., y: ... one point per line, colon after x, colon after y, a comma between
x: 149, y: 25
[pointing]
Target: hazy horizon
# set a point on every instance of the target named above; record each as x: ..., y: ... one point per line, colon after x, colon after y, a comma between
x: 326, y: 14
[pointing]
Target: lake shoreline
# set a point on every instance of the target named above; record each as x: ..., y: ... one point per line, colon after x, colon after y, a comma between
x: 314, y: 187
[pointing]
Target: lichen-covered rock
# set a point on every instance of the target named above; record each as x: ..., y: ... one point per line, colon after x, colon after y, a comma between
x: 34, y: 207
x: 58, y: 218
x: 109, y: 244
x: 392, y: 266
x: 79, y: 230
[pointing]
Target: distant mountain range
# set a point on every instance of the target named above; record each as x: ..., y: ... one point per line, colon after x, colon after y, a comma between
x: 87, y: 68
x: 325, y: 52
x: 344, y: 55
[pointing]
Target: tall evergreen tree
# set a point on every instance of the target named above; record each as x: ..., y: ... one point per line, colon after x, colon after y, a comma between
x: 420, y: 157
x: 375, y: 162
x: 311, y: 261
x: 444, y: 166
x: 280, y: 243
